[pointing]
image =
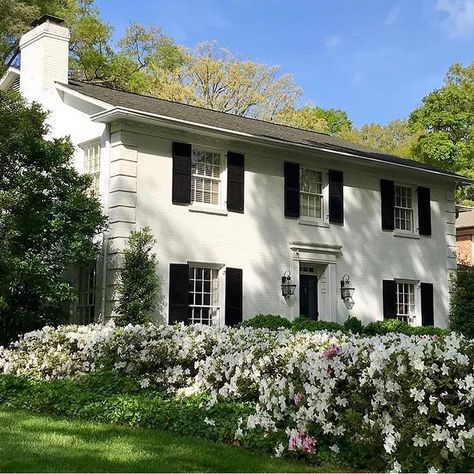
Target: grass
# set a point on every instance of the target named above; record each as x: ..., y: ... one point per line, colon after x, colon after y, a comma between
x: 38, y: 443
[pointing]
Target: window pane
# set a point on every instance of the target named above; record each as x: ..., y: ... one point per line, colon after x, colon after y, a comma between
x: 311, y: 193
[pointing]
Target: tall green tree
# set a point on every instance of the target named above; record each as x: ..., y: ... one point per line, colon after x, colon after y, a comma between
x: 48, y: 220
x: 316, y: 119
x: 139, y: 283
x: 396, y: 137
x: 445, y: 120
x: 214, y: 78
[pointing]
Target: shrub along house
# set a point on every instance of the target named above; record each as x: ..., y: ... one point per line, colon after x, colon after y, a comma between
x: 239, y: 206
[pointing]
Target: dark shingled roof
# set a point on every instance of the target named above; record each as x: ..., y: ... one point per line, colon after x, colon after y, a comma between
x: 258, y: 128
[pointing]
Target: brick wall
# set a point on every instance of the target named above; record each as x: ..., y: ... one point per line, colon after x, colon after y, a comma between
x: 464, y: 248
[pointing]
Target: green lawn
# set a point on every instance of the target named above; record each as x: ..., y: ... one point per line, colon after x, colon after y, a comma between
x: 37, y: 443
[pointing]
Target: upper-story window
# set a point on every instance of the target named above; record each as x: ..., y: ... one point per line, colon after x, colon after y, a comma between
x: 406, y: 209
x: 92, y: 164
x: 205, y: 176
x: 311, y: 193
x: 406, y: 302
x: 403, y: 208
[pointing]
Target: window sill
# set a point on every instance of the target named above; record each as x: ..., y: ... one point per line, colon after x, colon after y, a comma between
x: 408, y: 235
x: 219, y: 211
x: 312, y: 222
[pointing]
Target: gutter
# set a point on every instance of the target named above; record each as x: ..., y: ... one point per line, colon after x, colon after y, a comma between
x: 125, y: 112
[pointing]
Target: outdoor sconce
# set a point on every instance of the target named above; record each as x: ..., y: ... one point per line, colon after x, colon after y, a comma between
x: 347, y: 290
x: 287, y: 286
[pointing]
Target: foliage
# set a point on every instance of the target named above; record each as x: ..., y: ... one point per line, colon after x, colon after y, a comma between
x: 269, y: 321
x: 446, y: 120
x: 354, y: 325
x: 396, y: 137
x: 394, y: 325
x: 462, y: 301
x: 214, y: 78
x: 48, y: 220
x: 317, y: 119
x: 139, y: 283
x: 370, y: 402
x: 303, y: 323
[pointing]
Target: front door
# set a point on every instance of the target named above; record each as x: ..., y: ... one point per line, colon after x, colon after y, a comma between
x: 309, y: 296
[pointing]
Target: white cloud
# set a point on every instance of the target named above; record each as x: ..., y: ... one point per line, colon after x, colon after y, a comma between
x: 332, y: 41
x: 460, y: 17
x: 392, y: 15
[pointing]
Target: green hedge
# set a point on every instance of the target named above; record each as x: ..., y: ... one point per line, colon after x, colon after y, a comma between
x: 354, y: 325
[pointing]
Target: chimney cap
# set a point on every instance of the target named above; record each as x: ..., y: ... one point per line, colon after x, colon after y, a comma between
x: 44, y: 18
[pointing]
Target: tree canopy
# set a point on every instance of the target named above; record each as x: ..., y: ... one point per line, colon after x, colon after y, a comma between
x: 48, y: 220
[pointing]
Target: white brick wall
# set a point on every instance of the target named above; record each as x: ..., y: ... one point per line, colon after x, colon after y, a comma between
x: 259, y: 240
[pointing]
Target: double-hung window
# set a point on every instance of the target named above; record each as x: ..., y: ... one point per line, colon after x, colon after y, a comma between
x: 85, y: 310
x: 206, y: 167
x: 406, y: 309
x: 404, y: 209
x: 203, y: 306
x: 92, y: 164
x: 311, y: 193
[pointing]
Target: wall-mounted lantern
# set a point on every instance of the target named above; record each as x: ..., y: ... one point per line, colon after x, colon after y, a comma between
x: 287, y: 286
x: 347, y: 290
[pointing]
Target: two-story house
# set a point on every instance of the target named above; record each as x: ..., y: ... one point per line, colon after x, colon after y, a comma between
x: 237, y: 204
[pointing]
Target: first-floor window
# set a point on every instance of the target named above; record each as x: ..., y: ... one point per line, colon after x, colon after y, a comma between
x: 203, y: 296
x: 405, y: 302
x: 403, y: 208
x: 311, y: 193
x: 85, y: 311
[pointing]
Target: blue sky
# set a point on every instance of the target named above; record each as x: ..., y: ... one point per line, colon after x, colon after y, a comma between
x: 375, y: 59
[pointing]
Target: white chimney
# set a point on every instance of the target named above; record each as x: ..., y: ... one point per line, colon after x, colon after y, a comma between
x: 44, y: 58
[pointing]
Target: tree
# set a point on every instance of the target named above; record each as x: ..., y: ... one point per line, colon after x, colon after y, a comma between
x: 214, y: 78
x: 461, y: 317
x: 138, y: 280
x: 396, y: 137
x: 48, y: 220
x: 445, y: 120
x: 316, y: 119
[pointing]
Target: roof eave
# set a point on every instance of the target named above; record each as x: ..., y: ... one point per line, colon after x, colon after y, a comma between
x: 117, y: 113
x: 8, y: 78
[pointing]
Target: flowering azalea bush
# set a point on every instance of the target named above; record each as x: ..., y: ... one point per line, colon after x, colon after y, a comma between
x: 389, y: 402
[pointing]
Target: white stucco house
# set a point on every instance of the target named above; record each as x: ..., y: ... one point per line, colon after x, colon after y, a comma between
x: 235, y: 204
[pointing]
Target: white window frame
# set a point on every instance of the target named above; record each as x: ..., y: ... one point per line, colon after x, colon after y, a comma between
x: 217, y: 280
x: 414, y: 318
x: 414, y: 209
x: 86, y: 148
x: 222, y: 187
x: 322, y: 221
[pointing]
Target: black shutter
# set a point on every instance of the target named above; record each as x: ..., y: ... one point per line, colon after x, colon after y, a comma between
x: 233, y: 296
x: 181, y: 193
x: 427, y: 307
x: 424, y: 211
x: 292, y: 189
x: 389, y: 299
x: 336, y: 197
x: 179, y: 289
x: 235, y: 181
x: 387, y: 191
